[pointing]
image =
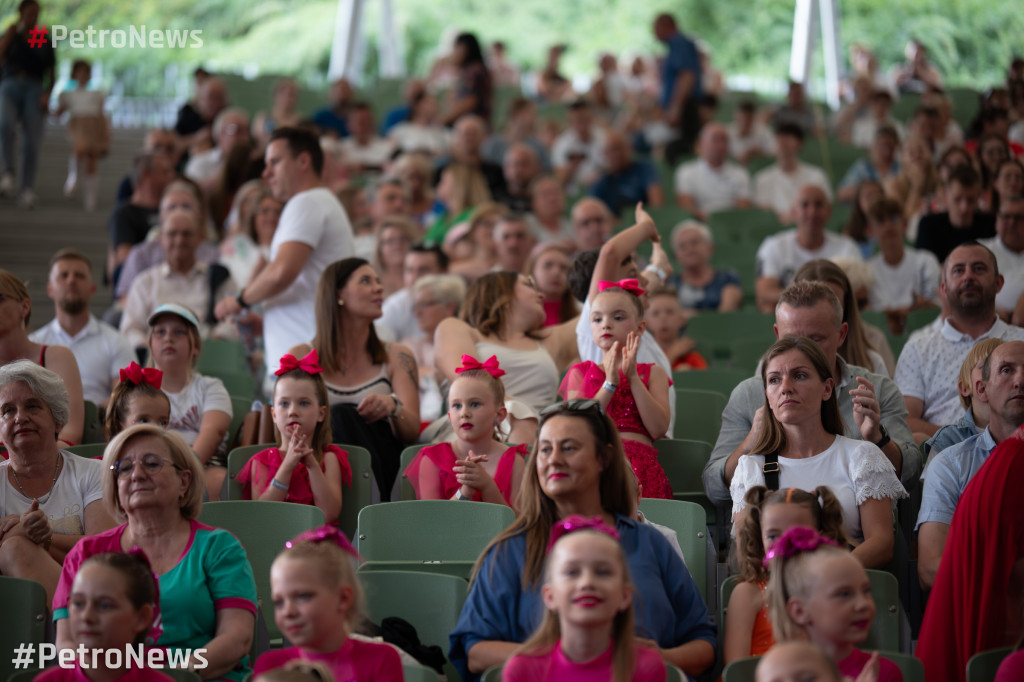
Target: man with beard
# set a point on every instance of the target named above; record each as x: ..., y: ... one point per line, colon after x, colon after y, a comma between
x: 98, y: 348
x: 949, y: 472
x: 929, y: 365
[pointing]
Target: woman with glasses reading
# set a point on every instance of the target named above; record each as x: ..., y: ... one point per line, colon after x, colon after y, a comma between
x: 578, y: 467
x: 503, y: 315
x: 153, y: 485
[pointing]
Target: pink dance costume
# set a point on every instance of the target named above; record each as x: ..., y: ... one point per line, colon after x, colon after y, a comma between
x: 586, y: 378
x: 855, y: 662
x: 355, y: 660
x: 553, y: 666
x: 443, y: 457
x: 299, y: 489
x: 76, y: 675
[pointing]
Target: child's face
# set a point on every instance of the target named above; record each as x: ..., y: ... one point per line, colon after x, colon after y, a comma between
x: 612, y: 318
x: 296, y: 407
x: 586, y: 583
x: 99, y: 611
x: 793, y: 662
x: 888, y: 230
x: 148, y: 409
x: 776, y: 519
x: 664, y: 318
x: 838, y: 607
x: 170, y: 343
x: 472, y: 409
x: 306, y: 609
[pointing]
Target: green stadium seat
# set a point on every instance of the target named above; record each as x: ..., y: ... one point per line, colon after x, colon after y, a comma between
x: 698, y: 414
x: 715, y: 379
x: 689, y: 522
x: 88, y: 450
x: 716, y: 332
x: 25, y: 615
x: 222, y: 355
x: 982, y: 666
x: 93, y: 431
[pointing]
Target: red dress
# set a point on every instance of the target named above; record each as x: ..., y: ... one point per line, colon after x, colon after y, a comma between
x: 443, y: 457
x: 354, y: 661
x: 586, y: 378
x: 299, y: 490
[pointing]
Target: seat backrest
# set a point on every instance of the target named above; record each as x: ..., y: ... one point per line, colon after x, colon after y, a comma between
x: 689, y: 522
x: 700, y: 414
x: 419, y: 673
x: 24, y: 619
x: 222, y: 355
x: 430, y: 530
x: 430, y: 602
x: 240, y: 407
x: 407, y: 491
x: 740, y: 670
x: 884, y: 634
x: 982, y: 666
x: 725, y: 592
x: 683, y: 461
x: 719, y: 379
x: 237, y: 459
x: 262, y: 528
x: 88, y: 450
x: 492, y: 674
x: 911, y: 667
x: 93, y: 431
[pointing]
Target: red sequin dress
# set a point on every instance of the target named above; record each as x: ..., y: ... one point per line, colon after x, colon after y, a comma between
x: 300, y: 491
x: 585, y: 379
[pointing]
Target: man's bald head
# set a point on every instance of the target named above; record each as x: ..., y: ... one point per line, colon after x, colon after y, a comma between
x: 714, y: 144
x: 520, y: 165
x: 812, y: 208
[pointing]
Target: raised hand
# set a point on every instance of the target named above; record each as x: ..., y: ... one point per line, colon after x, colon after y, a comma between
x: 612, y: 363
x: 629, y: 352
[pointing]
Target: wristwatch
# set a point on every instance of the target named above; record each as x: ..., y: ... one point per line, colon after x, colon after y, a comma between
x: 398, y: 406
x: 885, y: 438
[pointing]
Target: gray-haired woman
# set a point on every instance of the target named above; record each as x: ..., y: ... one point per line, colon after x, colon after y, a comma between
x: 49, y: 498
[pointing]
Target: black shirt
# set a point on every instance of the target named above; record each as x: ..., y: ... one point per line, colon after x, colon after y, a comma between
x: 936, y: 233
x: 20, y: 59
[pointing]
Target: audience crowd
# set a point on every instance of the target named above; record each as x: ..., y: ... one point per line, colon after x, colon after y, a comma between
x: 425, y: 276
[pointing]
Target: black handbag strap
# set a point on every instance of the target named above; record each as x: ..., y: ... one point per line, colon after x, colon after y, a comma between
x: 771, y: 472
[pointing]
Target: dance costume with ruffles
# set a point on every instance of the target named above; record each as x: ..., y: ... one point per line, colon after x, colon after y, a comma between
x: 586, y: 379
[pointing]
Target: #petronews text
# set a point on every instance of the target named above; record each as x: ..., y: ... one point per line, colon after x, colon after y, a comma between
x: 135, y: 36
x: 134, y: 655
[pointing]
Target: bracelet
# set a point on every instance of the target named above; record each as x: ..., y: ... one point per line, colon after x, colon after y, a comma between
x: 398, y: 406
x: 241, y: 300
x: 277, y: 484
x: 609, y: 386
x: 460, y: 496
x: 662, y: 275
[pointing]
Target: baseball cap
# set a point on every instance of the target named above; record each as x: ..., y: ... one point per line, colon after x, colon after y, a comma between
x: 174, y: 309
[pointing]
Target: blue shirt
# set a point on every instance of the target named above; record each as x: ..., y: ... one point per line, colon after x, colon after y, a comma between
x: 682, y: 56
x: 703, y: 298
x: 948, y: 474
x: 952, y: 434
x: 326, y: 119
x: 862, y: 170
x: 624, y: 189
x: 667, y: 604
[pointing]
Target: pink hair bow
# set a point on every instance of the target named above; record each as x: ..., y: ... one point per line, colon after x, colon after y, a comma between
x: 630, y: 285
x: 490, y: 365
x: 157, y: 628
x: 796, y: 540
x: 576, y: 523
x: 150, y: 376
x: 325, y: 534
x: 309, y: 364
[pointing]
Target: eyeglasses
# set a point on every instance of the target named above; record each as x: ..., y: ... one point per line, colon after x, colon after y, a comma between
x: 151, y: 464
x: 575, y: 405
x: 1012, y: 217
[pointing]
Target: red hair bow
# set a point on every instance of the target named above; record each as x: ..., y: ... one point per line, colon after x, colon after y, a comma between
x: 490, y: 365
x: 325, y: 534
x: 309, y: 364
x: 150, y: 376
x: 576, y: 523
x: 630, y: 285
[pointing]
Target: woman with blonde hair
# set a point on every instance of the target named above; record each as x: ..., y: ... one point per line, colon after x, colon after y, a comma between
x: 918, y: 177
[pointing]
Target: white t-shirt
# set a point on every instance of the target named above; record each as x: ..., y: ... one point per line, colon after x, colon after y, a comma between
x: 649, y: 351
x: 80, y: 483
x: 713, y: 189
x: 776, y: 190
x: 862, y: 134
x: 98, y: 348
x: 411, y: 137
x: 315, y: 218
x: 200, y: 395
x: 1011, y: 267
x: 760, y: 137
x: 376, y: 153
x: 398, y: 316
x: 854, y: 470
x: 895, y: 286
x: 569, y: 143
x: 81, y: 102
x: 780, y: 256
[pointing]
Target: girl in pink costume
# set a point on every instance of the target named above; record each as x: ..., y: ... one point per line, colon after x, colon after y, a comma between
x: 587, y: 631
x: 634, y: 395
x: 317, y: 601
x: 111, y: 607
x: 304, y: 468
x: 478, y: 465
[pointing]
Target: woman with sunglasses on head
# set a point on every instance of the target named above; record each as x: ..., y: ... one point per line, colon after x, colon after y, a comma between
x: 578, y: 467
x: 153, y: 484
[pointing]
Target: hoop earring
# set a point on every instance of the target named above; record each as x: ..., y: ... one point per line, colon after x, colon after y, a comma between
x: 340, y: 301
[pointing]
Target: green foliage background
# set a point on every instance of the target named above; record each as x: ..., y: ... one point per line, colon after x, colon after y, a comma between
x: 970, y: 40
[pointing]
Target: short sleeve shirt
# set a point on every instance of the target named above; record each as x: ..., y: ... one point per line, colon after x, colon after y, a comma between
x: 713, y: 189
x: 895, y: 286
x: 188, y: 405
x: 780, y: 255
x: 79, y: 484
x: 948, y: 474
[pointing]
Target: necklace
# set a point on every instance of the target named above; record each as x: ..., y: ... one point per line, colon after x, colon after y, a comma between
x: 56, y: 468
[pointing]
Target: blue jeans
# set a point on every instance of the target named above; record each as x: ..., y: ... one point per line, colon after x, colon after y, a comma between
x: 19, y: 101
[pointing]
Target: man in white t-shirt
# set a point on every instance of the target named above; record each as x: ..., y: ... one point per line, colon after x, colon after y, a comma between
x: 398, y: 316
x: 363, y: 147
x: 782, y: 254
x: 748, y: 137
x: 1008, y: 247
x: 712, y: 182
x: 100, y: 350
x: 576, y: 153
x: 312, y: 233
x: 776, y: 187
x: 904, y: 278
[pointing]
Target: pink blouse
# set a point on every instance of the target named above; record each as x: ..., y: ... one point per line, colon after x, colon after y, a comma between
x: 299, y: 489
x: 553, y: 666
x: 443, y: 457
x: 586, y: 378
x: 355, y: 660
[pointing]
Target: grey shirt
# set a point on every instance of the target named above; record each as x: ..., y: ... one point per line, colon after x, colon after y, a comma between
x: 738, y: 417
